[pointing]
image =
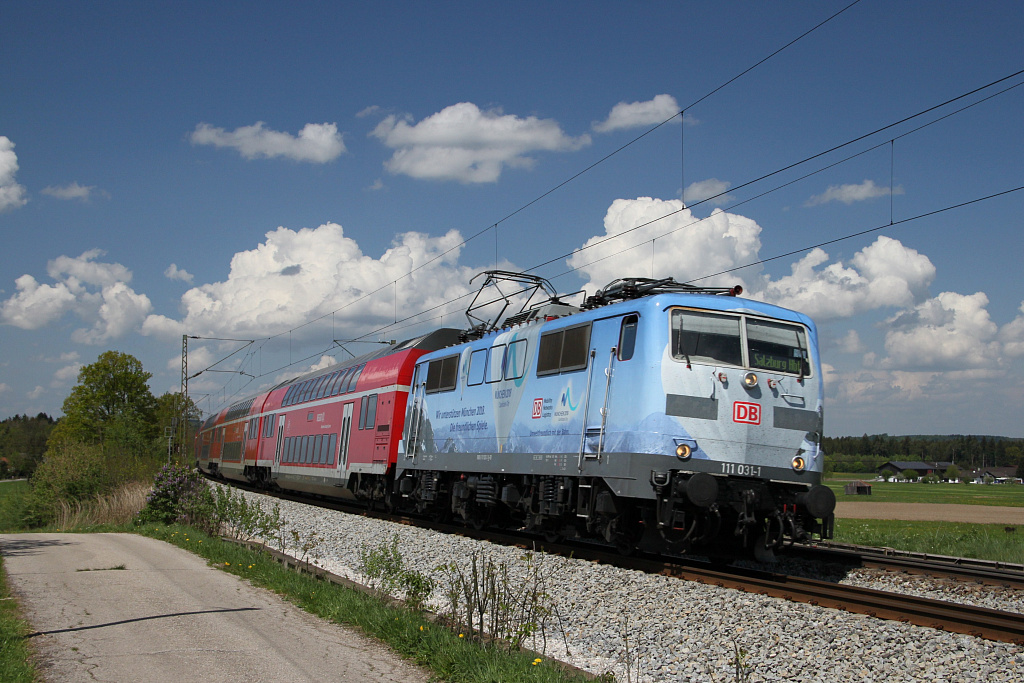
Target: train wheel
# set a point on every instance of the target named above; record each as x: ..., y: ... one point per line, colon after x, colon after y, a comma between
x: 762, y: 552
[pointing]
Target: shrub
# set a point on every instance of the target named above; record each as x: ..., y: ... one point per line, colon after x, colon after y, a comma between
x: 386, y: 572
x: 71, y: 471
x: 172, y: 487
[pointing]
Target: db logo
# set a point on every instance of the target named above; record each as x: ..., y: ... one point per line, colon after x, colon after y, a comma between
x: 538, y: 407
x: 748, y: 413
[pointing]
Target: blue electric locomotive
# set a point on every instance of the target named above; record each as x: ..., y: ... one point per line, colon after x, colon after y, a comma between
x: 657, y: 415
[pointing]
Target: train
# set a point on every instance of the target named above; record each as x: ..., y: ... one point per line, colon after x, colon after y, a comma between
x: 654, y: 415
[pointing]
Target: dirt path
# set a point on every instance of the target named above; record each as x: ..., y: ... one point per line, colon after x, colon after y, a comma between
x: 930, y: 512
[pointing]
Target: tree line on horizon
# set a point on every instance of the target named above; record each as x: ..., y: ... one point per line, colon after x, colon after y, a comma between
x: 969, y: 452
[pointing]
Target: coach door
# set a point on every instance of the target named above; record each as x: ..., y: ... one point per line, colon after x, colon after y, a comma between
x: 280, y: 441
x: 346, y: 433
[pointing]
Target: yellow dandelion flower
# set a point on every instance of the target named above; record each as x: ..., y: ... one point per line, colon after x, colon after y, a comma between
x: 461, y: 635
x: 227, y: 564
x: 421, y: 628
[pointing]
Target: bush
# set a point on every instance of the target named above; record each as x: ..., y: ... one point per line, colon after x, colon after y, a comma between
x: 171, y: 485
x: 70, y: 472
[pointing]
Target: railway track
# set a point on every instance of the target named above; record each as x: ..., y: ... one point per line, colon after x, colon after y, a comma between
x: 1005, y: 574
x: 947, y: 616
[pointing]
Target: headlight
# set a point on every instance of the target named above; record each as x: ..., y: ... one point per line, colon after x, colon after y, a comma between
x: 683, y: 451
x: 750, y: 380
x: 799, y: 463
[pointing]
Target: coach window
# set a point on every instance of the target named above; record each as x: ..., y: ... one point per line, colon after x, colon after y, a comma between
x: 477, y: 365
x: 627, y: 337
x: 335, y: 383
x: 353, y: 378
x: 321, y: 385
x: 496, y: 363
x: 698, y: 336
x: 442, y: 374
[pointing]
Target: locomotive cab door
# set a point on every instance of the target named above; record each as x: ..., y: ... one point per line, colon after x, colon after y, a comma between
x: 607, y: 337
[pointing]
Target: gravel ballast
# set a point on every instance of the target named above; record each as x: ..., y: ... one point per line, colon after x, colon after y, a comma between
x: 683, y: 631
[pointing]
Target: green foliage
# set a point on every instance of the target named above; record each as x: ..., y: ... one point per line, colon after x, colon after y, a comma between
x: 111, y: 401
x: 69, y: 472
x: 909, y: 475
x: 482, y: 596
x: 386, y: 572
x: 173, y: 486
x: 181, y: 495
x: 13, y: 502
x: 952, y: 473
x: 23, y: 443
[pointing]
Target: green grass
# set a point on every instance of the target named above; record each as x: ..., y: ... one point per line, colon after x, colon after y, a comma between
x: 15, y: 658
x: 448, y: 656
x: 958, y: 539
x: 1011, y: 495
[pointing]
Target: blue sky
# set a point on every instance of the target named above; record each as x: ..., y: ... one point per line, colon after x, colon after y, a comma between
x: 243, y: 169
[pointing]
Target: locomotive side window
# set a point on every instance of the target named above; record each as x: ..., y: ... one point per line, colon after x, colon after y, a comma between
x: 706, y: 337
x: 575, y: 348
x: 477, y: 364
x: 268, y: 426
x: 563, y: 350
x: 442, y: 374
x: 627, y: 337
x: 496, y: 364
x: 549, y: 353
x: 515, y: 359
x: 777, y: 347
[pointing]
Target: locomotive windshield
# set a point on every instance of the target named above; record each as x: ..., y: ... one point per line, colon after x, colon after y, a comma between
x: 722, y: 339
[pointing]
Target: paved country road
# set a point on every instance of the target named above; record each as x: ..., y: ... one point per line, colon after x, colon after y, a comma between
x: 167, y: 616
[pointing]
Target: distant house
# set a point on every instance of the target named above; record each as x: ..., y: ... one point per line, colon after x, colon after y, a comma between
x: 999, y: 475
x: 895, y: 468
x: 857, y: 488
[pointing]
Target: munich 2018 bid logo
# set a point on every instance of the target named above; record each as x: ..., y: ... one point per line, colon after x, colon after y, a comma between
x: 747, y: 413
x: 538, y: 408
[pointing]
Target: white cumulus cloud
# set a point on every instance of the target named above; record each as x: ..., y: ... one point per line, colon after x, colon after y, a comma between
x: 317, y: 142
x: 96, y: 291
x: 295, y: 276
x: 1012, y: 335
x: 695, y: 247
x: 12, y: 195
x: 705, y: 189
x: 884, y: 274
x: 850, y: 193
x: 72, y: 191
x: 464, y: 143
x: 173, y: 272
x: 949, y: 332
x: 638, y: 114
